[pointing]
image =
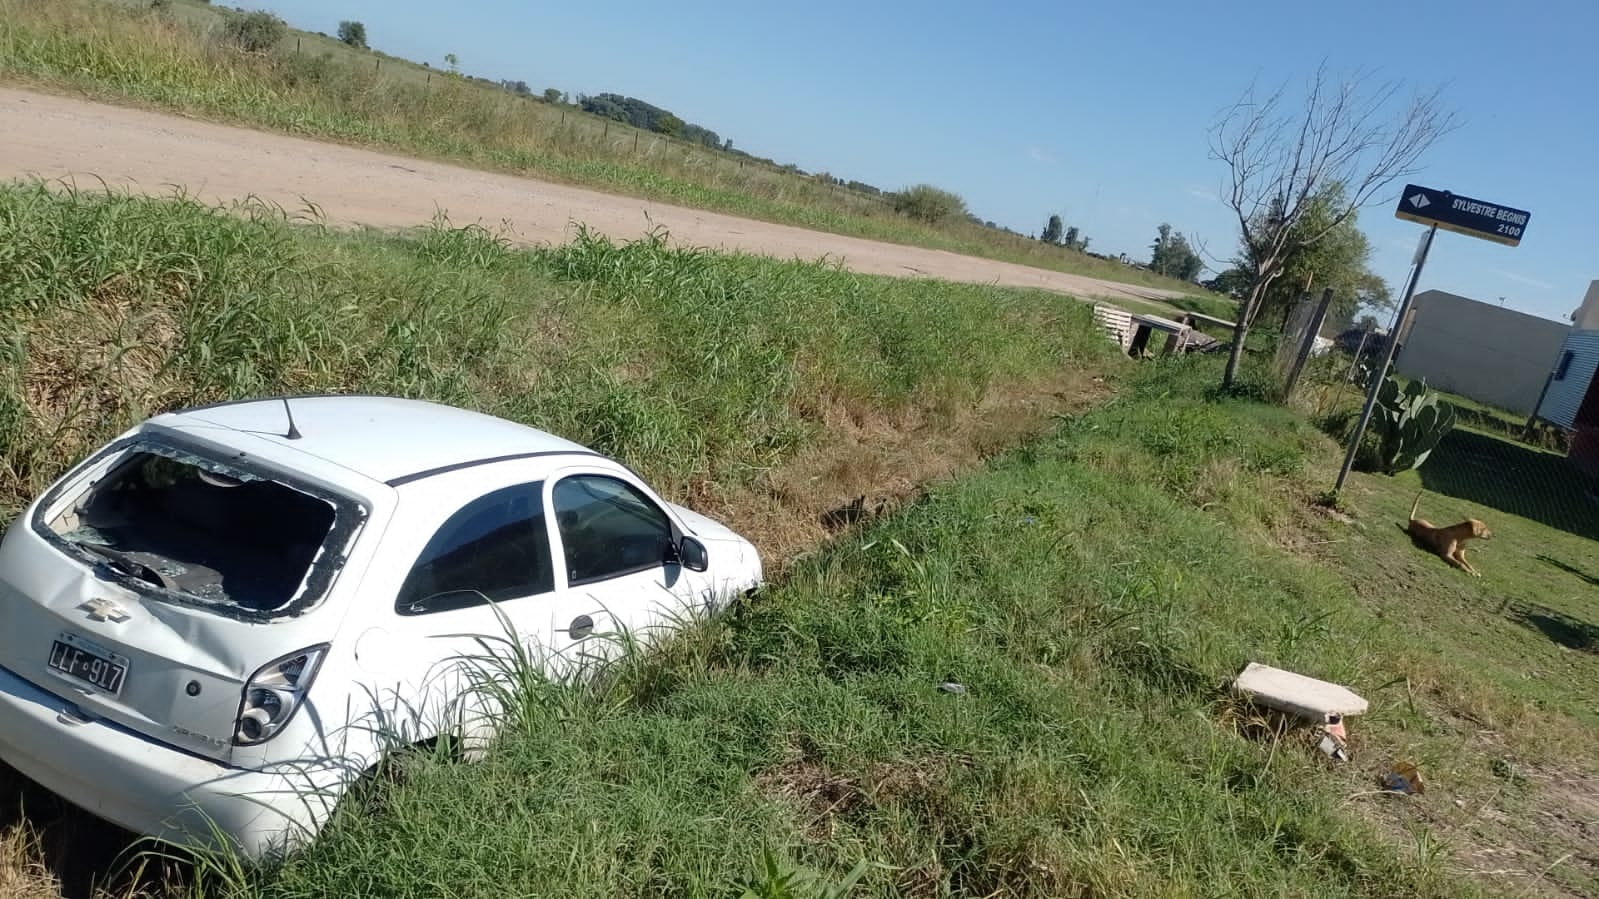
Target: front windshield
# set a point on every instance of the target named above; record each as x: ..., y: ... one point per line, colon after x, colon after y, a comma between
x: 202, y: 530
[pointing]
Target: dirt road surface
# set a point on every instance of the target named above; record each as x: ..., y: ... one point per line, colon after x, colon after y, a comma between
x: 56, y: 137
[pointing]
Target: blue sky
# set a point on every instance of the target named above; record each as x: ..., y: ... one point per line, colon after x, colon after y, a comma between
x: 1096, y: 111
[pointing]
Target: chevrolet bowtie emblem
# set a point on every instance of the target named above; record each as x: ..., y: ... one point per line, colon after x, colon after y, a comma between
x: 104, y: 610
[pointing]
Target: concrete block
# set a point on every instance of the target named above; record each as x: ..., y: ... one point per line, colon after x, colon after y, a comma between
x: 1297, y: 694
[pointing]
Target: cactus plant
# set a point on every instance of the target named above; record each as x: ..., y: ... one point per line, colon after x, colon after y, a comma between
x: 1409, y: 422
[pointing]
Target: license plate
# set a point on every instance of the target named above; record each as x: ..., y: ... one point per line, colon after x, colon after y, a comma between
x: 84, y: 661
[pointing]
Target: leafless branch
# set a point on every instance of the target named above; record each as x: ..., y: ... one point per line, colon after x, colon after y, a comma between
x: 1201, y: 248
x: 1284, y: 153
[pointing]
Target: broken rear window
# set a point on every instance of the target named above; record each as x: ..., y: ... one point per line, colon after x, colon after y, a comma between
x: 204, y: 532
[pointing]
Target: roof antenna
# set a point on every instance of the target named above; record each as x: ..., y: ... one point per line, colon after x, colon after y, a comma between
x: 294, y: 432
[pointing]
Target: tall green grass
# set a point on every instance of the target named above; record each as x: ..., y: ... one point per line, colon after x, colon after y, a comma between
x: 1081, y: 594
x: 694, y: 367
x: 1091, y: 593
x: 173, y: 58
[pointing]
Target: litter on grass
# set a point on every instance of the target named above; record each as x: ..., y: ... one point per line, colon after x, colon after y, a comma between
x: 1320, y: 702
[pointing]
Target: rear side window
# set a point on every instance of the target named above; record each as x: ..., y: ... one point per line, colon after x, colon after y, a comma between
x: 608, y: 528
x: 496, y: 546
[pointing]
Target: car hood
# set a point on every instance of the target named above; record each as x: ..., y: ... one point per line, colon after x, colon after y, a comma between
x: 706, y: 528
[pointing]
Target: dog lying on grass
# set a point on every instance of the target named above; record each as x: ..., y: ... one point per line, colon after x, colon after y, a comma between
x: 1448, y: 543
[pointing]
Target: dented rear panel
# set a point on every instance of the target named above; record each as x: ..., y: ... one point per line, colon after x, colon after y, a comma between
x: 148, y: 586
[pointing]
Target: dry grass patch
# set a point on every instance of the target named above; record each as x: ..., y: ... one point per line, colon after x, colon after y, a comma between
x: 22, y: 874
x: 862, y: 466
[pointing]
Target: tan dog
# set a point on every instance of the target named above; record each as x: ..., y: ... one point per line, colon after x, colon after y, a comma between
x: 1449, y: 543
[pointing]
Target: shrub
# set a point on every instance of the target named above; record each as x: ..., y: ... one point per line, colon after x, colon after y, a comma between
x: 353, y: 33
x: 926, y: 203
x: 255, y: 32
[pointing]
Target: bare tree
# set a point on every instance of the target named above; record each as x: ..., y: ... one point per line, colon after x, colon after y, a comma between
x: 1281, y: 154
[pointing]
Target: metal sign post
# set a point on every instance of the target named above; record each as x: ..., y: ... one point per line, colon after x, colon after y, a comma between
x: 1381, y: 372
x: 1438, y: 209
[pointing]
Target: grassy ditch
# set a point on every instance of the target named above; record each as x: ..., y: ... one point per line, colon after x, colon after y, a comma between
x: 1092, y: 593
x: 704, y: 371
x: 171, y: 56
x: 761, y: 391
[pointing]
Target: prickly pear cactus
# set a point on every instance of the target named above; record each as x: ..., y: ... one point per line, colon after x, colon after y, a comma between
x: 1409, y: 422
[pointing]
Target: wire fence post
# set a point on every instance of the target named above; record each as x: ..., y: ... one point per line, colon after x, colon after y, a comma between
x: 1312, y: 331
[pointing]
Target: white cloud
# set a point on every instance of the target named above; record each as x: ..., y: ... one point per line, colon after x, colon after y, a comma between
x: 1199, y: 193
x: 1039, y: 154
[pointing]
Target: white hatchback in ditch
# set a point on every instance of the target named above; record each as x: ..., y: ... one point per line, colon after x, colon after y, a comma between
x: 216, y: 622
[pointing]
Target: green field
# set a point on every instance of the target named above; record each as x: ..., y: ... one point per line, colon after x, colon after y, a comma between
x: 170, y: 57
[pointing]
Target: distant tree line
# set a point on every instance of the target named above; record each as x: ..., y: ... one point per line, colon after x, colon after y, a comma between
x: 648, y: 117
x: 261, y: 31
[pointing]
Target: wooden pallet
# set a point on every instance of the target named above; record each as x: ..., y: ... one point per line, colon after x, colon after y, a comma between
x: 1118, y: 323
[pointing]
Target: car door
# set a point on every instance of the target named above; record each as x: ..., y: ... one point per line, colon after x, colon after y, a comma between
x: 617, y: 550
x: 478, y: 594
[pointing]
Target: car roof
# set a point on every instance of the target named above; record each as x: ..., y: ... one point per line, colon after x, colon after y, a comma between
x: 387, y: 439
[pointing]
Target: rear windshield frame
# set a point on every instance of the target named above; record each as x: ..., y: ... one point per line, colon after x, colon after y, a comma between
x: 349, y: 514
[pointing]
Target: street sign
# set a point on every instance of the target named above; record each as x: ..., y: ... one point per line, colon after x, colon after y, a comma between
x: 1462, y: 215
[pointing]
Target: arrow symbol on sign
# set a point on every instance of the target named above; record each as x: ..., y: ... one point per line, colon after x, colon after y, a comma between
x: 1420, y: 201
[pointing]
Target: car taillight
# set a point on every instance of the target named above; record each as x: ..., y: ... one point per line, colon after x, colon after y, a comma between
x: 273, y: 694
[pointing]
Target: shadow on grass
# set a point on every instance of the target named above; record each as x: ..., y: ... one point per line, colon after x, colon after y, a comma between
x: 1591, y: 580
x: 82, y: 851
x: 1569, y: 632
x: 1512, y: 478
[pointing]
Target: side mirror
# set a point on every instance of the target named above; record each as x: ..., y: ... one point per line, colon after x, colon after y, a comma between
x: 691, y: 554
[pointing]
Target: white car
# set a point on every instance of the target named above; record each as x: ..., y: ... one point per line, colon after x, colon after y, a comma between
x: 212, y: 625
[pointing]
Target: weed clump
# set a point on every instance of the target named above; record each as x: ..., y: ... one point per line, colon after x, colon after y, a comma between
x: 254, y: 32
x: 926, y: 203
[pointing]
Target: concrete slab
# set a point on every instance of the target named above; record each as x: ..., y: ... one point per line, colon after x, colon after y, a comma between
x: 1297, y: 694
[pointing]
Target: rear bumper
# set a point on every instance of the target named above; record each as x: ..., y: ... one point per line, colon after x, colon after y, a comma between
x: 153, y: 789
